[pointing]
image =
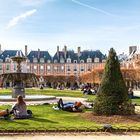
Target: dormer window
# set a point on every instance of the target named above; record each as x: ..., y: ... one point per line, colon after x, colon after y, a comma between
x: 7, y: 59
x: 81, y: 61
x: 103, y: 60
x: 55, y: 61
x: 28, y: 61
x: 42, y: 60
x: 49, y: 61
x: 96, y: 60
x: 35, y: 60
x: 89, y: 60
x: 61, y: 60
x: 68, y: 60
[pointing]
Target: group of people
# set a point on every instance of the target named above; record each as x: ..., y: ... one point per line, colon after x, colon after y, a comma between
x: 89, y: 90
x: 18, y: 110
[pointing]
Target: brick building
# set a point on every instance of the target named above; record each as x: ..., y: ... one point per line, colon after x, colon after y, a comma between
x: 65, y: 63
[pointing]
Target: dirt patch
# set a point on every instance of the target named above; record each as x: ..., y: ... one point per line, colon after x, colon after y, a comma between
x: 111, y: 119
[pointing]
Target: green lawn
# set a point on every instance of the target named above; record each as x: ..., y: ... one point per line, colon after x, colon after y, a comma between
x: 45, y: 118
x: 55, y: 92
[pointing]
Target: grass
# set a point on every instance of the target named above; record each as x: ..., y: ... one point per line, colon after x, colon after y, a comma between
x: 45, y: 118
x: 57, y: 93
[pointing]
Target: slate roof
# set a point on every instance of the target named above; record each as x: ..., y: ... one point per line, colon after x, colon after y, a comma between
x: 45, y: 54
x: 9, y: 53
x: 70, y: 54
x: 91, y: 54
x: 83, y: 56
x: 38, y: 55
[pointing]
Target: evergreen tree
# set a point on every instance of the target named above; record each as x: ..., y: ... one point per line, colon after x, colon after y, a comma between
x: 112, y: 97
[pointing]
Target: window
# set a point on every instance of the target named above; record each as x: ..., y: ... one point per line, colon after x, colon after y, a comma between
x: 62, y: 67
x: 68, y: 68
x: 82, y: 68
x: 68, y: 60
x: 28, y: 67
x: 61, y: 60
x: 7, y: 67
x: 41, y: 67
x: 35, y: 60
x: 96, y: 60
x: 7, y: 59
x: 42, y: 60
x: 103, y: 60
x: 28, y: 61
x: 55, y: 61
x: 81, y: 61
x: 75, y: 68
x: 35, y: 67
x: 49, y: 61
x: 0, y: 67
x: 89, y: 60
x: 48, y: 67
x: 55, y: 68
x: 15, y: 67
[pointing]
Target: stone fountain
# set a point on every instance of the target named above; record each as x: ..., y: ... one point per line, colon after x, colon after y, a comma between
x: 19, y: 79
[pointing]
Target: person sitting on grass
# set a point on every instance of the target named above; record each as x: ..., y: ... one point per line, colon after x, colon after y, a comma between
x: 19, y: 109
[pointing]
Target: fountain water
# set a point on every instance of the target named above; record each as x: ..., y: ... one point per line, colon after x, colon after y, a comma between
x: 18, y: 80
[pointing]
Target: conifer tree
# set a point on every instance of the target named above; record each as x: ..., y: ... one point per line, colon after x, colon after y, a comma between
x: 112, y: 96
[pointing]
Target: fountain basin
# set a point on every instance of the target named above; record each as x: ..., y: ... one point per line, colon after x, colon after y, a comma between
x: 8, y: 98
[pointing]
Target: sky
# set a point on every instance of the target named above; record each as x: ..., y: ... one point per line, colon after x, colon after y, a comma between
x: 90, y: 24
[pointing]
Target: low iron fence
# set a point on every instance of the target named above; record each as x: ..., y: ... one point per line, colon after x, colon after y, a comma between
x: 58, y: 130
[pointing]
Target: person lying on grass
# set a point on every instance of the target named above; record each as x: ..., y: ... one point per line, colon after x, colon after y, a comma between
x: 70, y: 106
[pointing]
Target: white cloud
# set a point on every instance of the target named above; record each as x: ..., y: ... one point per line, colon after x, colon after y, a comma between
x: 33, y: 2
x: 93, y: 8
x: 14, y: 21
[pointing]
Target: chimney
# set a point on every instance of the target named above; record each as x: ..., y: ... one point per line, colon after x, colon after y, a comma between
x: 57, y: 51
x: 132, y: 48
x: 65, y: 51
x: 78, y: 51
x: 38, y: 53
x: 26, y: 51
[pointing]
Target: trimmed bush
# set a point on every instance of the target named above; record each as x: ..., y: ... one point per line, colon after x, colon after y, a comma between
x: 112, y: 96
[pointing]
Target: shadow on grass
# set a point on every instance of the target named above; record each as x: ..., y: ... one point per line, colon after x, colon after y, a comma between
x: 42, y: 120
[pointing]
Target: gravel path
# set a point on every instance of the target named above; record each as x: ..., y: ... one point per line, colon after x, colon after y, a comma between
x: 61, y: 137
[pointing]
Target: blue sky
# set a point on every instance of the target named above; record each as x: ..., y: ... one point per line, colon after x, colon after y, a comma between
x: 91, y: 24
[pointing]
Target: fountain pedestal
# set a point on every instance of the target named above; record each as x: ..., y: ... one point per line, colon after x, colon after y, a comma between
x: 18, y: 90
